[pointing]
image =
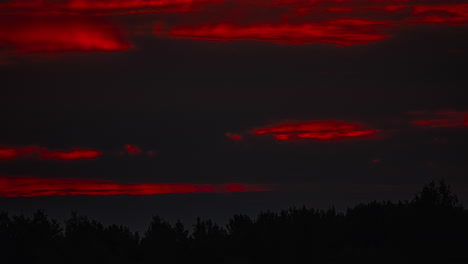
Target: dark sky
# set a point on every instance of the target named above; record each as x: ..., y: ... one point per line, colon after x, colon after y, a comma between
x: 121, y: 109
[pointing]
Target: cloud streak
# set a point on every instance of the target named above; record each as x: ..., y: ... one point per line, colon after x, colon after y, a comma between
x: 13, y: 153
x: 74, y: 154
x: 32, y: 186
x: 328, y: 130
x: 342, y: 32
x: 100, y: 4
x: 438, y: 119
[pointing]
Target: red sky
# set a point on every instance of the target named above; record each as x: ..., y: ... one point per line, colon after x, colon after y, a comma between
x: 119, y: 97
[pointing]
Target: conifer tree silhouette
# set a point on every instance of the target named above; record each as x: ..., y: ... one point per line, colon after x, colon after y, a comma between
x: 431, y: 227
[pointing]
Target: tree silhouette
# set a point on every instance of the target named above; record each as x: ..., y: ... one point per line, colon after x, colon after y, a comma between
x: 429, y: 228
x: 35, y: 239
x: 208, y: 242
x: 159, y: 242
x: 440, y: 196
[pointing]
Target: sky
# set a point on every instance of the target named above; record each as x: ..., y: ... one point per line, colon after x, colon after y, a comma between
x: 123, y: 109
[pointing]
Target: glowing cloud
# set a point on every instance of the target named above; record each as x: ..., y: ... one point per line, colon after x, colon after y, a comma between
x: 31, y: 186
x: 37, y: 33
x: 44, y: 153
x: 127, y: 4
x: 132, y: 149
x: 452, y: 14
x: 14, y: 153
x: 440, y: 119
x: 70, y: 25
x: 108, y: 6
x: 70, y: 155
x: 234, y: 136
x: 318, y: 130
x: 342, y: 32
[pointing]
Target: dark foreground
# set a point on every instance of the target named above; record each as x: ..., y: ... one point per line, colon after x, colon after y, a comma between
x: 431, y: 228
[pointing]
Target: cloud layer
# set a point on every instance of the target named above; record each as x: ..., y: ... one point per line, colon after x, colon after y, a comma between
x: 73, y: 25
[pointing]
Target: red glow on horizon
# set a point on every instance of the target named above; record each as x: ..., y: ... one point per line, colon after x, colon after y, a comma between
x: 31, y: 186
x: 36, y: 33
x: 341, y: 32
x: 318, y: 130
x: 74, y: 154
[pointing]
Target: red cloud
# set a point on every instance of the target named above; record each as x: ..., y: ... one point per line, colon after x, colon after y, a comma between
x: 38, y: 33
x: 393, y: 8
x: 87, y: 6
x: 434, y: 122
x: 70, y: 155
x: 318, y: 130
x: 11, y: 153
x: 14, y: 153
x: 234, y: 136
x: 453, y: 14
x: 283, y: 136
x: 44, y: 153
x: 440, y: 119
x: 342, y: 32
x: 132, y: 149
x: 128, y: 4
x: 31, y: 186
x: 337, y: 22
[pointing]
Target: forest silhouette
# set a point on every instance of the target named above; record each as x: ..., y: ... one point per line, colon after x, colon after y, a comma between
x: 432, y: 227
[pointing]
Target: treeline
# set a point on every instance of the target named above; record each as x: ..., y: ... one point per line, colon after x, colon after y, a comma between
x: 432, y: 227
